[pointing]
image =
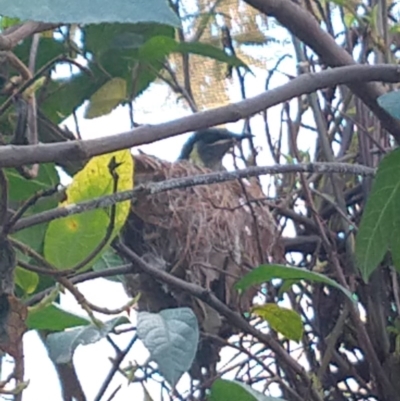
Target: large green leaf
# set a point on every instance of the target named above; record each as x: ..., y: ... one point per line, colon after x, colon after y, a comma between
x: 117, y: 47
x: 207, y: 50
x: 114, y: 50
x: 265, y: 273
x: 20, y: 189
x: 48, y: 49
x: 171, y: 337
x: 224, y: 390
x: 98, y: 39
x: 379, y: 229
x: 158, y: 47
x: 91, y: 11
x: 70, y: 240
x: 54, y: 318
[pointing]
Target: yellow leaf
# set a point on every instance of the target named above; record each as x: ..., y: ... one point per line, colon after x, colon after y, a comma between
x: 26, y: 280
x: 70, y: 240
x: 48, y: 34
x: 283, y: 320
x: 107, y: 98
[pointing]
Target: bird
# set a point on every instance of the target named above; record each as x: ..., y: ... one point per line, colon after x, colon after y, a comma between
x: 207, y: 147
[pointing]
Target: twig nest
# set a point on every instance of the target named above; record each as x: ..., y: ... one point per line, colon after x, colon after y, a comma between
x: 210, y: 235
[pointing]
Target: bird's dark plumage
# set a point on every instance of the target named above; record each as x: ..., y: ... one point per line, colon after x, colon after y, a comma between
x: 209, y: 146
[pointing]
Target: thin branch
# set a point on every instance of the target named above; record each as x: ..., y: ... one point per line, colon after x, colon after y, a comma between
x: 116, y: 363
x: 176, y: 183
x: 233, y: 317
x: 26, y: 205
x: 13, y: 156
x: 80, y: 278
x: 307, y: 29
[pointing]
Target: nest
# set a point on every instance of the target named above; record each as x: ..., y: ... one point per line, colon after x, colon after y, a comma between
x: 210, y: 235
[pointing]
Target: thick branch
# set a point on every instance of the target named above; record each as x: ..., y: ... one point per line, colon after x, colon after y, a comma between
x: 14, y: 156
x: 12, y: 36
x: 305, y: 27
x: 185, y: 182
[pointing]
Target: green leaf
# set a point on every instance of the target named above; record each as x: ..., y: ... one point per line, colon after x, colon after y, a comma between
x: 108, y: 260
x: 283, y: 320
x: 54, y: 318
x: 26, y: 280
x: 91, y: 11
x: 126, y: 39
x: 107, y: 98
x: 380, y: 224
x: 171, y: 337
x: 395, y: 28
x: 224, y: 390
x: 62, y: 345
x: 20, y: 189
x: 206, y: 50
x: 67, y: 94
x: 114, y: 51
x: 6, y: 22
x: 48, y: 50
x: 70, y: 240
x: 266, y: 273
x: 391, y: 103
x: 157, y: 47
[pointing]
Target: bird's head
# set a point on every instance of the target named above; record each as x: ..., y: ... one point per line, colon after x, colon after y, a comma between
x: 208, y: 147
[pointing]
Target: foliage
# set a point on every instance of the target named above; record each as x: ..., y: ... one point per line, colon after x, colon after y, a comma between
x: 62, y: 345
x: 282, y: 320
x: 378, y: 228
x: 171, y: 336
x: 83, y: 233
x: 292, y: 274
x: 54, y: 318
x: 304, y: 338
x: 91, y: 12
x: 224, y: 390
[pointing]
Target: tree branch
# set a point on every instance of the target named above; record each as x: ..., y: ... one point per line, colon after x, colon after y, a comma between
x: 14, y: 156
x: 305, y: 27
x: 185, y: 182
x: 12, y: 36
